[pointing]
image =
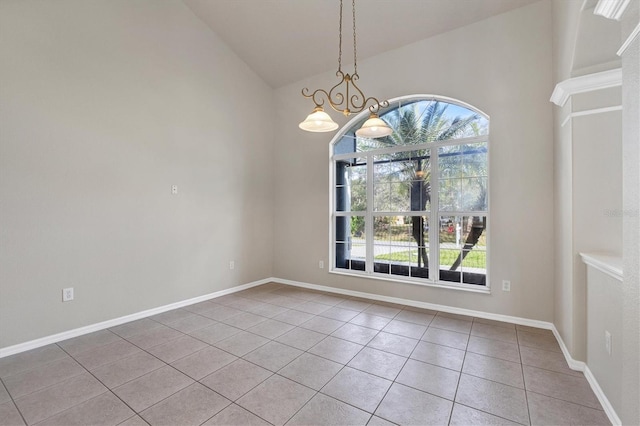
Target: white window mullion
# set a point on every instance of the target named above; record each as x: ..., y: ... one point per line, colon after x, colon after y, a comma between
x: 368, y: 219
x: 364, y: 152
x: 426, y: 145
x: 434, y: 219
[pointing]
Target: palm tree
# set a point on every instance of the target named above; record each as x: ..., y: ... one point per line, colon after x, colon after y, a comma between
x: 414, y: 124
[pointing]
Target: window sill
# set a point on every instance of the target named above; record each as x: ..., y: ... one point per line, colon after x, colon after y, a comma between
x: 437, y: 284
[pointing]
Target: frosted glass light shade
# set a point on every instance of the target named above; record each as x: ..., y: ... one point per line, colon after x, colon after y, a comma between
x: 373, y: 128
x: 318, y: 121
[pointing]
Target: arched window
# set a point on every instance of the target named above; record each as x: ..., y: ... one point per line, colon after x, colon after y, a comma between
x: 418, y: 198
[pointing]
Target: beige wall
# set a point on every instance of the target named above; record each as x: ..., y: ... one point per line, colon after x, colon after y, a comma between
x: 587, y: 170
x: 566, y: 14
x: 502, y: 66
x: 566, y: 19
x: 563, y: 217
x: 603, y: 304
x: 611, y: 141
x: 596, y: 196
x: 630, y: 413
x: 103, y: 106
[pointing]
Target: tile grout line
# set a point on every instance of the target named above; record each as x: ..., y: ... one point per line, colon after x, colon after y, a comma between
x: 524, y: 383
x: 194, y: 380
x: 106, y: 387
x: 491, y: 414
x: 233, y: 404
x: 13, y: 401
x: 234, y: 401
x: 165, y: 365
x: 455, y: 394
x: 550, y: 371
x: 67, y: 355
x: 275, y: 373
x: 564, y: 400
x: 343, y: 366
x: 373, y: 413
x: 402, y: 368
x: 272, y: 373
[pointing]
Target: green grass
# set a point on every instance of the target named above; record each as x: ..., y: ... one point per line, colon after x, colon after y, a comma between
x: 475, y: 259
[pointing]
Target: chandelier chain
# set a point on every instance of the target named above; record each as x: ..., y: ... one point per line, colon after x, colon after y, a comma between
x: 340, y: 40
x: 345, y: 96
x: 355, y: 52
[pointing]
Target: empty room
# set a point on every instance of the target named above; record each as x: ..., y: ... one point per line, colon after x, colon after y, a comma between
x: 319, y: 212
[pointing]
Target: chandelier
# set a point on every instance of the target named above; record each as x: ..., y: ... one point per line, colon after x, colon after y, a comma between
x: 345, y: 97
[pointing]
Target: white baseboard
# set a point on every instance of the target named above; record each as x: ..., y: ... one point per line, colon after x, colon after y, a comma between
x: 604, y: 401
x: 417, y: 304
x: 33, y: 344
x: 573, y: 364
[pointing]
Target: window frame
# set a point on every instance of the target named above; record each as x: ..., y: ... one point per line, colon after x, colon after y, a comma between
x: 432, y: 214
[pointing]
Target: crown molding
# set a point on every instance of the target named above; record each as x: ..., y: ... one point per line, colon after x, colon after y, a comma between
x: 586, y: 83
x: 611, y: 9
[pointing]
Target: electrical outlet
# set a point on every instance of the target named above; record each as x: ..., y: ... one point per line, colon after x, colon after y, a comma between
x: 67, y: 294
x: 232, y: 265
x: 607, y: 341
x: 321, y: 264
x: 174, y: 189
x: 506, y: 285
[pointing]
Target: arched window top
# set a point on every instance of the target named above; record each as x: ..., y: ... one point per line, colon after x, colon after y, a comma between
x: 416, y: 120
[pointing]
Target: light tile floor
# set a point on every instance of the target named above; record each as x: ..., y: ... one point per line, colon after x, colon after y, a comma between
x: 276, y: 354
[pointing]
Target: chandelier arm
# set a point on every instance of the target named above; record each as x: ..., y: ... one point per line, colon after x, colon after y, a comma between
x: 319, y: 102
x: 377, y: 105
x: 336, y: 99
x: 358, y: 99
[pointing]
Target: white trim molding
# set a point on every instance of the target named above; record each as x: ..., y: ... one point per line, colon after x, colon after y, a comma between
x: 629, y: 40
x: 573, y: 364
x: 604, y: 401
x: 610, y: 265
x: 586, y: 83
x: 590, y: 112
x: 417, y: 304
x: 611, y: 9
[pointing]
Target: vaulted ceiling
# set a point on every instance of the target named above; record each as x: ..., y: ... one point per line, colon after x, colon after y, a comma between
x: 285, y: 41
